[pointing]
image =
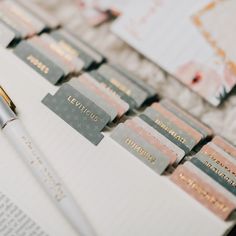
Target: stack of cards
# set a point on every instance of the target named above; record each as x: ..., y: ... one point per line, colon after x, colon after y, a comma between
x: 47, y: 18
x: 102, y: 96
x: 99, y: 95
x: 225, y: 146
x: 179, y: 127
x: 22, y: 19
x: 58, y: 55
x: 80, y: 112
x: 210, y: 177
x: 127, y: 86
x: 162, y: 135
x: 46, y: 56
x: 78, y: 47
x: 145, y: 143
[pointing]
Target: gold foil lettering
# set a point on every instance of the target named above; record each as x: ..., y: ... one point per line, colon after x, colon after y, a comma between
x: 121, y: 86
x: 37, y: 63
x: 200, y: 190
x: 82, y: 108
x: 140, y: 150
x: 170, y: 131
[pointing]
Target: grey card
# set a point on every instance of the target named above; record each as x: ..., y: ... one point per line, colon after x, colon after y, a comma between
x: 38, y: 44
x: 164, y: 132
x: 127, y: 86
x: 50, y: 20
x: 101, y: 79
x: 75, y: 62
x: 165, y: 103
x: 214, y: 175
x: 81, y: 44
x: 137, y: 80
x: 222, y: 152
x: 79, y: 112
x: 16, y: 32
x: 109, y: 95
x: 217, y: 167
x: 172, y: 146
x: 6, y: 35
x: 14, y: 24
x: 26, y: 16
x: 170, y: 127
x: 94, y: 98
x: 98, y: 57
x: 140, y: 148
x: 39, y: 62
x: 72, y: 48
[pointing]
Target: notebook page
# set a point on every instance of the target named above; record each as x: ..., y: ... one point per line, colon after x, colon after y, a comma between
x: 192, y: 40
x: 14, y: 221
x: 119, y: 194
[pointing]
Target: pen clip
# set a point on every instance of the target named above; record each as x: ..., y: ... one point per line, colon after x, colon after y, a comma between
x: 7, y: 99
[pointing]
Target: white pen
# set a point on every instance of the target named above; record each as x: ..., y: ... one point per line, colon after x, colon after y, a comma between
x: 44, y: 173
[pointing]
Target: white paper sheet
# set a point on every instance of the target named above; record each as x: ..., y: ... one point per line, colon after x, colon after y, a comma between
x: 119, y: 194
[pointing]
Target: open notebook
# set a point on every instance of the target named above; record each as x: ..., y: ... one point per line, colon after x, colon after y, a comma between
x: 119, y: 194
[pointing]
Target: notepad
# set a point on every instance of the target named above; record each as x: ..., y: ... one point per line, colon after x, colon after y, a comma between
x: 192, y: 40
x: 118, y: 193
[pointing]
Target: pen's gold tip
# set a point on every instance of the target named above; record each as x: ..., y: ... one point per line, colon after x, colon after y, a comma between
x: 4, y: 95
